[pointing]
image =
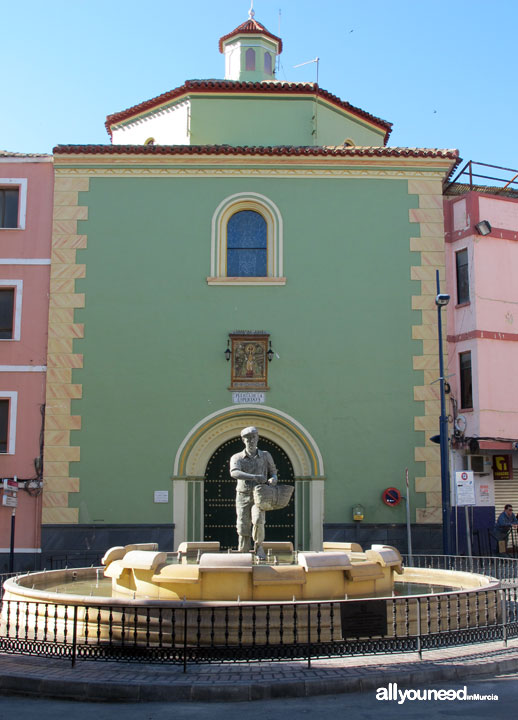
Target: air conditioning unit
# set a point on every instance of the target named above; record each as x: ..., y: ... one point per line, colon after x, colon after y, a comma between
x: 479, y: 464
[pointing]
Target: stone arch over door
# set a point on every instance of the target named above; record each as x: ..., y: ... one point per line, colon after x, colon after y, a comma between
x: 202, y: 441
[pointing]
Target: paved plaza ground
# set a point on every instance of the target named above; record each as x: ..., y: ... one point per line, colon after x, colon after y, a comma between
x: 265, y: 681
x: 354, y: 706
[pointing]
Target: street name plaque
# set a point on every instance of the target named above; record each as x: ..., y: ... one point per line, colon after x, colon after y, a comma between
x: 252, y: 398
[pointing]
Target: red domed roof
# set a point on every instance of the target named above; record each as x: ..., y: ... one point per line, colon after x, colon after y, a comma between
x: 251, y: 27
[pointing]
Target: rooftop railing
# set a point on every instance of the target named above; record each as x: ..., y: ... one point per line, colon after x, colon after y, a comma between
x: 475, y: 174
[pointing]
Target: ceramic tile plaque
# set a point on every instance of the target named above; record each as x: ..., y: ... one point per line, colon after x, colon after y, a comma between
x: 249, y: 369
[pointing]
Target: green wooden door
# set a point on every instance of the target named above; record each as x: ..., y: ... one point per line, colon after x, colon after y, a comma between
x: 220, y: 496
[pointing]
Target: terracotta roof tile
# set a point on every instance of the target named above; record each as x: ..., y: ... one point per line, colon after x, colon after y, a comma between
x: 234, y: 86
x: 456, y: 188
x: 276, y: 151
x: 250, y: 27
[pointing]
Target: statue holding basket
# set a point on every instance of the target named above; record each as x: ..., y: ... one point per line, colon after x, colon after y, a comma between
x: 257, y: 491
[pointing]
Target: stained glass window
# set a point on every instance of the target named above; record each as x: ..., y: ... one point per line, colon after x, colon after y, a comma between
x: 246, y: 245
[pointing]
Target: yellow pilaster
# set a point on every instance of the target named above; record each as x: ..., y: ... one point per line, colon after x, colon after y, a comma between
x: 428, y: 247
x: 61, y: 359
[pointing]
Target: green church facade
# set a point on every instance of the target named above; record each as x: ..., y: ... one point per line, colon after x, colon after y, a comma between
x: 140, y: 393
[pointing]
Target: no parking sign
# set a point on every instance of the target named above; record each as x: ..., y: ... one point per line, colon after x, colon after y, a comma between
x: 391, y: 497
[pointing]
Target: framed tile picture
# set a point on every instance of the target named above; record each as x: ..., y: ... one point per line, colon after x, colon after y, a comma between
x: 249, y: 353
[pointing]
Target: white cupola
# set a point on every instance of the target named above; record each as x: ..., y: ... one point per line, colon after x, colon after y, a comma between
x: 250, y: 52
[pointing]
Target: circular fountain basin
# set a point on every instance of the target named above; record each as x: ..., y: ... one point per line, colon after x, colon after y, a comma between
x: 225, y: 599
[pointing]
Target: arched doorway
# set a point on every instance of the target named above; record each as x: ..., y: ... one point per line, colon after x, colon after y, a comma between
x: 285, y: 433
x: 220, y: 492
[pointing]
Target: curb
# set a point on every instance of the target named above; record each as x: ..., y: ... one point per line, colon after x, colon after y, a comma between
x: 211, y: 690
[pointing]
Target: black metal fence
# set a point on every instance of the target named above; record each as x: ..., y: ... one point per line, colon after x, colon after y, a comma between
x: 49, y: 561
x: 504, y: 569
x: 60, y: 561
x: 185, y: 633
x: 488, y: 541
x: 246, y: 632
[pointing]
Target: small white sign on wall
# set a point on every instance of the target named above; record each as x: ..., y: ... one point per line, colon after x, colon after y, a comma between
x: 465, y: 486
x: 161, y: 496
x: 248, y: 397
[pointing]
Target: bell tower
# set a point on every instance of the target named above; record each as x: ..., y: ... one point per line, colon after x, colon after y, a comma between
x: 250, y: 51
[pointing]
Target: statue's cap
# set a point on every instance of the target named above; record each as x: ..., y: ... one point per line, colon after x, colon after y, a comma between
x: 249, y: 431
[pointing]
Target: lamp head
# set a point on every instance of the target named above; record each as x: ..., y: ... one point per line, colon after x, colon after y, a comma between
x: 483, y: 227
x: 442, y: 299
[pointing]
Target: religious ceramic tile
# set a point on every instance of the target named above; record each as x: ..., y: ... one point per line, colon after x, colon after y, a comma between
x: 249, y: 354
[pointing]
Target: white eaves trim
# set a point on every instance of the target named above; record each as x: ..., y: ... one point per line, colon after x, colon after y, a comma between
x: 26, y: 159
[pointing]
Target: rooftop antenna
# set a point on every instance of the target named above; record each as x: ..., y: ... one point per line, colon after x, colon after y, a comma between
x: 315, y: 60
x: 278, y: 35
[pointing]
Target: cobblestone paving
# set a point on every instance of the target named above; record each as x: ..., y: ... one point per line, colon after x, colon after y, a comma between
x: 248, y: 681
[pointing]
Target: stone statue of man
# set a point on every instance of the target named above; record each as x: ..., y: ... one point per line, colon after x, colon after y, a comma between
x: 250, y: 468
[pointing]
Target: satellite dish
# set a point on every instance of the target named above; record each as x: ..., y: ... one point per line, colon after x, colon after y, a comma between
x: 460, y: 423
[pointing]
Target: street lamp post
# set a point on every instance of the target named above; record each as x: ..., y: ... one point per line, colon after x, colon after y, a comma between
x: 441, y: 301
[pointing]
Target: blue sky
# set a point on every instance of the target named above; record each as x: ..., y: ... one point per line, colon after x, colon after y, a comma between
x: 442, y: 72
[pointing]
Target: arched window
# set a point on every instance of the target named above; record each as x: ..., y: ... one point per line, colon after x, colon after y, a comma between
x: 246, y: 245
x: 250, y: 59
x: 267, y: 63
x: 246, y: 242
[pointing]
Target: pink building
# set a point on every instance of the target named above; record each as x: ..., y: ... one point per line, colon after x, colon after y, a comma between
x: 26, y: 192
x: 482, y: 278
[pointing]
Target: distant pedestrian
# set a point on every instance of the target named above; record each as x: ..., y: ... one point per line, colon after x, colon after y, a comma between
x: 506, y: 520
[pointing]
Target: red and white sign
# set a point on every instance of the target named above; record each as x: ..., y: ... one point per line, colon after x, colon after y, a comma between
x: 391, y: 497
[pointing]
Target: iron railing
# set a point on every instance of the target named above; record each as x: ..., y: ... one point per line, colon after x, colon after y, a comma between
x: 189, y: 632
x: 60, y: 561
x: 487, y: 541
x: 504, y: 569
x: 54, y: 561
x: 472, y: 173
x: 195, y: 633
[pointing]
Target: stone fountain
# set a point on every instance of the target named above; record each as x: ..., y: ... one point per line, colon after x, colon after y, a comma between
x: 200, y: 596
